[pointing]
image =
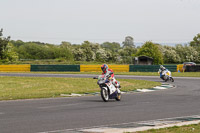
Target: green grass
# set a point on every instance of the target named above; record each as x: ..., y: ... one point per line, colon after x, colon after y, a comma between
x: 46, y: 87
x: 195, y: 128
x: 186, y: 74
x: 174, y: 74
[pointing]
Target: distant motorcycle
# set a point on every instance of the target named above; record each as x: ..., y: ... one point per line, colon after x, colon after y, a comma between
x: 166, y: 76
x: 108, y: 90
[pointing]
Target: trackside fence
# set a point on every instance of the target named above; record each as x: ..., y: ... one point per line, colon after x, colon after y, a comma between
x: 15, y: 68
x: 195, y: 68
x: 92, y: 68
x: 150, y: 68
x: 97, y: 68
x: 55, y: 68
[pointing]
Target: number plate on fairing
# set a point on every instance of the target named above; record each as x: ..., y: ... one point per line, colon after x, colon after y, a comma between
x: 111, y: 87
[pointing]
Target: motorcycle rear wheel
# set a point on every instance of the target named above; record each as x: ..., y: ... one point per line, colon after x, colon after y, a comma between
x: 171, y: 79
x: 167, y: 78
x: 118, y: 98
x: 105, y: 95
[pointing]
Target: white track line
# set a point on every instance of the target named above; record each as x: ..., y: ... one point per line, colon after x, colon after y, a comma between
x: 144, y: 90
x: 159, y: 88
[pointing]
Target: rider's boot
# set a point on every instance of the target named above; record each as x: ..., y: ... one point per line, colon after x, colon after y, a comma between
x: 118, y: 90
x: 118, y: 86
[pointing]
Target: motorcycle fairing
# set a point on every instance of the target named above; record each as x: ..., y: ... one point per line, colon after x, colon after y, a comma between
x: 111, y: 87
x: 113, y: 95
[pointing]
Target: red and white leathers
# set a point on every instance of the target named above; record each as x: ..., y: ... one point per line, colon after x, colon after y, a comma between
x: 114, y: 81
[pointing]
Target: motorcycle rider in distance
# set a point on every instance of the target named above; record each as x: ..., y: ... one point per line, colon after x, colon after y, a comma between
x: 162, y: 68
x: 109, y: 73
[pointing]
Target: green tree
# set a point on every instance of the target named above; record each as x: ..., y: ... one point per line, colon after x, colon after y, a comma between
x: 169, y: 54
x: 37, y: 50
x: 128, y: 42
x: 85, y: 52
x: 127, y: 51
x: 187, y: 53
x: 64, y: 52
x: 114, y: 46
x: 10, y: 53
x: 67, y: 45
x: 192, y: 55
x: 3, y: 44
x: 87, y: 48
x: 92, y: 52
x: 79, y: 54
x: 17, y: 43
x: 102, y: 55
x: 7, y: 51
x: 126, y: 55
x: 150, y: 49
x: 196, y: 41
x: 30, y: 51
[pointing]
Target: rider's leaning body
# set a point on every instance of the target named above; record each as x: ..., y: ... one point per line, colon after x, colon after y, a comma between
x: 161, y: 70
x: 109, y: 73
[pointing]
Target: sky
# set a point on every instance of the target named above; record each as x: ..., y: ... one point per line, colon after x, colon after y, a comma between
x: 98, y: 21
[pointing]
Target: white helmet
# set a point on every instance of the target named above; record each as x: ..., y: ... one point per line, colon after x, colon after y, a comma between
x: 162, y: 67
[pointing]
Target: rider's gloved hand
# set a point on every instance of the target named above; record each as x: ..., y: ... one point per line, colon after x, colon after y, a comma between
x: 108, y: 76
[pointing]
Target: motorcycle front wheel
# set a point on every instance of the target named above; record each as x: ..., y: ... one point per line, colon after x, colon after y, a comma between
x: 105, y: 95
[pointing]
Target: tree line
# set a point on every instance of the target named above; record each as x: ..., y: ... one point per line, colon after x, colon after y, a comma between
x: 107, y: 52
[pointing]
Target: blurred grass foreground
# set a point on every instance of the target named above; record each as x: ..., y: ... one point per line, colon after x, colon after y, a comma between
x: 45, y: 87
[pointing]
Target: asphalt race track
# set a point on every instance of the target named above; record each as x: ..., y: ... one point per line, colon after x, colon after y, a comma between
x: 69, y: 113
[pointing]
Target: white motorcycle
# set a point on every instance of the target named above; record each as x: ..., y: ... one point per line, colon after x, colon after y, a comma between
x: 166, y: 76
x: 108, y: 90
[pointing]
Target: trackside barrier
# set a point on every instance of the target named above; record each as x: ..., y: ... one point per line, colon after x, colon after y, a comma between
x: 97, y: 68
x: 87, y: 68
x: 151, y: 68
x: 144, y: 68
x: 90, y: 68
x: 119, y: 68
x: 54, y: 68
x: 14, y: 68
x: 172, y: 68
x: 195, y: 68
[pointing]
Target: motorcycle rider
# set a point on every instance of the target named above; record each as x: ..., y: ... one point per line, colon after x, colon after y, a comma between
x: 161, y: 70
x: 109, y: 73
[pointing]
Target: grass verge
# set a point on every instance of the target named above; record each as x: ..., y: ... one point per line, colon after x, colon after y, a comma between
x: 46, y: 87
x: 174, y: 74
x: 195, y: 128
